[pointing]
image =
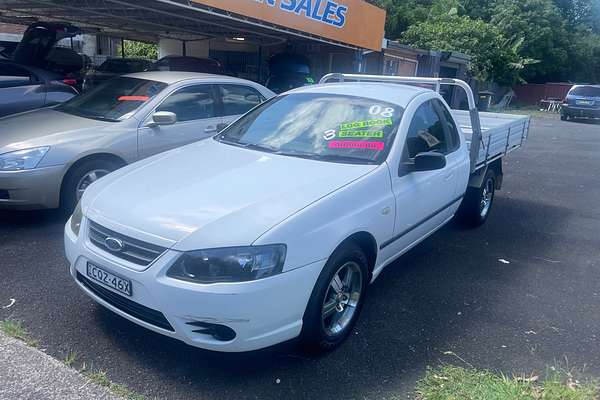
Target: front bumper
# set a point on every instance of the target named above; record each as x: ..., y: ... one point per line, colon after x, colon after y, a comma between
x: 582, y: 112
x: 262, y: 313
x: 31, y: 189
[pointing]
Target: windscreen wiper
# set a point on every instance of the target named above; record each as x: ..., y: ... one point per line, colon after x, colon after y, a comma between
x: 252, y: 146
x: 328, y: 157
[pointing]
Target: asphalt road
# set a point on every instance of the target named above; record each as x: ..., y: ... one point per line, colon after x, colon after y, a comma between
x: 450, y: 294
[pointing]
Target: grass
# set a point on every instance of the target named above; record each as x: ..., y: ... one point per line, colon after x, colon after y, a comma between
x: 100, y: 378
x: 70, y: 358
x: 456, y: 383
x: 15, y: 330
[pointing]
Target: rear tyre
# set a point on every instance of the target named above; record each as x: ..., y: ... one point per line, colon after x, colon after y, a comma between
x: 336, y: 300
x: 477, y: 204
x: 80, y: 177
x: 564, y: 117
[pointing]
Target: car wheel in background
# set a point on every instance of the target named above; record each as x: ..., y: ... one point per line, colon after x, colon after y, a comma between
x: 564, y: 117
x: 336, y: 300
x: 477, y: 204
x: 81, y: 176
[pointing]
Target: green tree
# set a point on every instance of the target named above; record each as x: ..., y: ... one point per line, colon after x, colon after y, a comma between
x: 538, y: 40
x: 401, y: 14
x: 492, y: 58
x: 545, y: 38
x: 140, y: 49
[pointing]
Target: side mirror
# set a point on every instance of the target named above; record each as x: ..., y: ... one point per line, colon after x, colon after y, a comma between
x: 429, y: 161
x: 164, y: 118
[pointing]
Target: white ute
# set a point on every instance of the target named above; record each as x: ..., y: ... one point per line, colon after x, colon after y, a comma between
x: 274, y: 228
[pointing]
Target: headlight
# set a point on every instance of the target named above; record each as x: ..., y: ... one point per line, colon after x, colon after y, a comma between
x: 22, y: 159
x: 76, y: 219
x: 229, y: 264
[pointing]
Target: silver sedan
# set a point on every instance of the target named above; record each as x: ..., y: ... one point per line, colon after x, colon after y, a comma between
x: 48, y: 157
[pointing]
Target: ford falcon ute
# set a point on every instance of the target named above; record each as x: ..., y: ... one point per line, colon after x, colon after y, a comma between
x: 274, y: 228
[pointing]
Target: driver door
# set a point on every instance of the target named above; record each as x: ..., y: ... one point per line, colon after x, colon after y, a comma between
x: 422, y: 197
x: 197, y: 118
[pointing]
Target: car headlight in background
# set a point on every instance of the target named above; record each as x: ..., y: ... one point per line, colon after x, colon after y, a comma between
x: 76, y: 219
x: 229, y: 264
x: 22, y: 159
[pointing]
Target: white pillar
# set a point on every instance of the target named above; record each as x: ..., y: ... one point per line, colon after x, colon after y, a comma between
x: 194, y: 48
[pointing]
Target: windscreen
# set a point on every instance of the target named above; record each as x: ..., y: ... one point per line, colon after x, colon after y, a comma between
x: 587, y: 91
x: 115, y: 100
x: 325, y: 127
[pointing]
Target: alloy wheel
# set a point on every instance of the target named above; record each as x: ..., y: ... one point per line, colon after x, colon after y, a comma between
x: 87, y: 179
x: 341, y: 300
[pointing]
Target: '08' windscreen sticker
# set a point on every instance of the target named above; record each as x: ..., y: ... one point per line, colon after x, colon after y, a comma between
x: 360, y: 129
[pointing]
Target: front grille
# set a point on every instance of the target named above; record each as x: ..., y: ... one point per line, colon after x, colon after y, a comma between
x: 135, y: 251
x: 132, y: 308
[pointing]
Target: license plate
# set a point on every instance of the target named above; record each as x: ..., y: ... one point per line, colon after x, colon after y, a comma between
x: 108, y: 279
x: 585, y: 102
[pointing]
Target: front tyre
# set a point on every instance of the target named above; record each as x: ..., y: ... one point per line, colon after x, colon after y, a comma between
x: 477, y: 204
x: 80, y: 177
x: 336, y: 299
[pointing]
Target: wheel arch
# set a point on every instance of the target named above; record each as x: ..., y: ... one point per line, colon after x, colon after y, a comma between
x: 94, y: 156
x: 367, y: 244
x: 476, y: 179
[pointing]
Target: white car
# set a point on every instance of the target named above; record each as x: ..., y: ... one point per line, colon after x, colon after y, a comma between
x: 273, y: 229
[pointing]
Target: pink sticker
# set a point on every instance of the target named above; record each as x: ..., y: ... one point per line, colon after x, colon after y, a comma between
x: 356, y: 144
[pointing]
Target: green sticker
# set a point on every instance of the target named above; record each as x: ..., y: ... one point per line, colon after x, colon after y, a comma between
x: 361, y: 134
x: 310, y: 79
x: 367, y: 123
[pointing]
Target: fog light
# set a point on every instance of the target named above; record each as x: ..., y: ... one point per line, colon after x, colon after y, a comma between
x: 220, y: 332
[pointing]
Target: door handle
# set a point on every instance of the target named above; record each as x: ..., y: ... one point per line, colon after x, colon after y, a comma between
x: 210, y: 129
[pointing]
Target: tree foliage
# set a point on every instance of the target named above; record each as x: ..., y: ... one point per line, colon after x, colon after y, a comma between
x: 538, y: 40
x: 140, y: 49
x: 491, y: 59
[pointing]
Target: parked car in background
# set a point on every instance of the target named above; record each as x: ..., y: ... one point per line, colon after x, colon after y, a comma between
x: 114, y: 67
x: 582, y: 101
x: 274, y: 228
x: 188, y: 64
x: 38, y: 49
x: 48, y: 157
x: 288, y: 71
x: 24, y: 88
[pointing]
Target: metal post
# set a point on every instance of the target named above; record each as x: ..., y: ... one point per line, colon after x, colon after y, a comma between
x: 476, y: 137
x: 122, y: 48
x: 260, y: 66
x: 359, y: 60
x: 507, y: 140
x: 183, y: 48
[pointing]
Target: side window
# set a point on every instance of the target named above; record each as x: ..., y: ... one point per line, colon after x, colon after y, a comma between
x: 238, y: 99
x: 450, y: 126
x: 426, y: 132
x: 191, y: 103
x: 11, y: 76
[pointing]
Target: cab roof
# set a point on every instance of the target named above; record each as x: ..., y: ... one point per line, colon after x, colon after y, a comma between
x: 395, y: 93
